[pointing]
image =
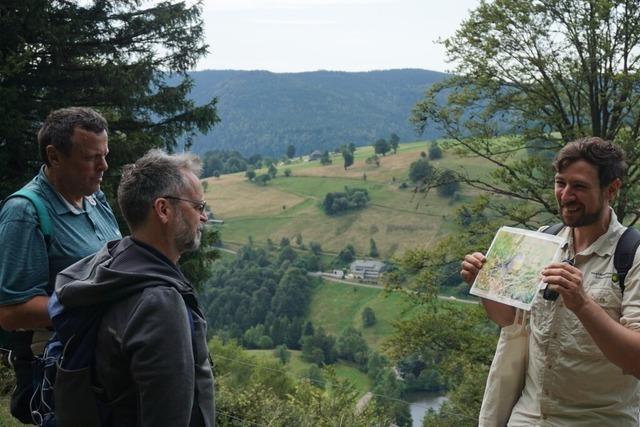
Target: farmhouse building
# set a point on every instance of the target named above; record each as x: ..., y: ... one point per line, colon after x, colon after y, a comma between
x: 315, y: 155
x: 366, y: 269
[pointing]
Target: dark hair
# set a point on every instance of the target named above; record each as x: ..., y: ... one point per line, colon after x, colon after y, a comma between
x: 60, y: 124
x: 606, y: 156
x: 156, y: 174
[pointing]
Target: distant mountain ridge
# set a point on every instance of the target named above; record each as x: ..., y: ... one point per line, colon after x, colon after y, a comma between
x: 264, y: 112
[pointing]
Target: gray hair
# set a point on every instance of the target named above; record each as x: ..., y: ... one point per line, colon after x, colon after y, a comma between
x: 154, y: 175
x: 59, y: 126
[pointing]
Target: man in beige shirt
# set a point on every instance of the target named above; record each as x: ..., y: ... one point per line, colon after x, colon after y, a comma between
x: 584, y: 347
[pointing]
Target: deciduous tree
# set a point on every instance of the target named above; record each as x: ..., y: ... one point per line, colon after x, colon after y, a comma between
x: 347, y: 155
x: 394, y: 140
x: 368, y: 317
x: 291, y: 151
x: 381, y: 146
x: 539, y: 74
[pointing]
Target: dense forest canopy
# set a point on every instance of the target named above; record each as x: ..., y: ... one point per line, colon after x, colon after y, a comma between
x: 264, y: 113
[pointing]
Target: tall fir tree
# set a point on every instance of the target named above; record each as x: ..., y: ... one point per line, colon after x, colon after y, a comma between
x: 127, y: 61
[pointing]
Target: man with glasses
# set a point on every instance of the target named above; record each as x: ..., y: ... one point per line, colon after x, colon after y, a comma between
x: 151, y: 357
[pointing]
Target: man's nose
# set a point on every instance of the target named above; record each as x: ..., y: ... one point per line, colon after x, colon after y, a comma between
x: 102, y: 164
x: 203, y: 216
x: 566, y: 194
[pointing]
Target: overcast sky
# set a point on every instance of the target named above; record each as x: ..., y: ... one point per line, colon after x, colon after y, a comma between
x: 341, y: 35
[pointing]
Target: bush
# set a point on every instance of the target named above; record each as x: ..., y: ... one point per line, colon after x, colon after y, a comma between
x: 325, y: 159
x: 346, y: 256
x: 263, y: 179
x: 352, y: 198
x: 420, y: 171
x: 435, y: 152
x: 368, y: 317
x: 448, y: 184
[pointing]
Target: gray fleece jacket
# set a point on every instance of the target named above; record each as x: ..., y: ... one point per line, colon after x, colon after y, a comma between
x: 151, y: 363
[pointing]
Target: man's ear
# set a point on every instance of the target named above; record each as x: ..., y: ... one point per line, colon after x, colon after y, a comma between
x: 613, y: 188
x: 53, y: 155
x: 163, y: 210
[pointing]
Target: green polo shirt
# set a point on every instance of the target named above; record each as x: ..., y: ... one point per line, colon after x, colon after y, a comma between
x: 28, y: 266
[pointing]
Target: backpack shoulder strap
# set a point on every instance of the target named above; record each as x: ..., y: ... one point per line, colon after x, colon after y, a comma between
x: 625, y: 253
x: 553, y: 229
x: 45, y: 224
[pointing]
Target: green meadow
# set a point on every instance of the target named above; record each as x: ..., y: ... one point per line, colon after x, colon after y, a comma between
x: 396, y: 218
x: 336, y: 306
x: 297, y: 369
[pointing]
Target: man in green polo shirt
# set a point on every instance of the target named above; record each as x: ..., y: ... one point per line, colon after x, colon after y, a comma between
x: 73, y: 144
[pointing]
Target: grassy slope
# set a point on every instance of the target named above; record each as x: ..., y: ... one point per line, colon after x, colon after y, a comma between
x: 298, y: 368
x: 397, y: 219
x: 336, y: 306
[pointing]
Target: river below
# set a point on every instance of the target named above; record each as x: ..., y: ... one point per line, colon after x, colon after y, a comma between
x: 420, y: 402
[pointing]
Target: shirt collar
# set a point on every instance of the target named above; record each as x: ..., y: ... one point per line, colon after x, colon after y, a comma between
x: 59, y: 203
x: 604, y: 245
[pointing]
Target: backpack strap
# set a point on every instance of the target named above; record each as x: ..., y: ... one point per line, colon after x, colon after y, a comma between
x: 554, y: 229
x: 625, y: 253
x: 44, y: 220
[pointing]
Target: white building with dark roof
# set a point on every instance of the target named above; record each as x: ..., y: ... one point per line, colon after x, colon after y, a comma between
x: 369, y: 270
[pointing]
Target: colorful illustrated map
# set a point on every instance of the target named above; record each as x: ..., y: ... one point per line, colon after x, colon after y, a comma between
x: 511, y: 274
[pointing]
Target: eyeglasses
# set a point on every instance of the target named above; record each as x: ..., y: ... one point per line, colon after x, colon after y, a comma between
x: 199, y: 205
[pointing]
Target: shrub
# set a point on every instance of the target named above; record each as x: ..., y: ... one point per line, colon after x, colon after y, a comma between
x: 420, y: 170
x: 435, y: 152
x: 351, y: 198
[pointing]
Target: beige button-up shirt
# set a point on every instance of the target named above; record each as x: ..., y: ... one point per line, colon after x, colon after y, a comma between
x: 569, y: 381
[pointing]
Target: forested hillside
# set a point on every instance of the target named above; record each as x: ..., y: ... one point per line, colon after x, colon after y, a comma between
x: 264, y: 112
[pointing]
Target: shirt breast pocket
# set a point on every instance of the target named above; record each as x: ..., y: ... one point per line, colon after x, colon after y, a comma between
x: 609, y: 297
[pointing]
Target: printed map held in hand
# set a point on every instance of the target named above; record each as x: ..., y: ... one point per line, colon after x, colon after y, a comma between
x: 511, y: 274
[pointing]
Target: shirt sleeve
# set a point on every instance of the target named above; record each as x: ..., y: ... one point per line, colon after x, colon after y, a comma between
x: 157, y: 340
x: 631, y: 296
x: 24, y: 262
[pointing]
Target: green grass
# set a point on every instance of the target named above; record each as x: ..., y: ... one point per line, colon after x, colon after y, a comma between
x: 297, y: 368
x: 361, y: 382
x: 315, y: 186
x: 6, y: 420
x: 396, y: 218
x: 336, y: 306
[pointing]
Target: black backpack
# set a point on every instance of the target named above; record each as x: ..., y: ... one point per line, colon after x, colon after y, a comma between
x: 623, y: 255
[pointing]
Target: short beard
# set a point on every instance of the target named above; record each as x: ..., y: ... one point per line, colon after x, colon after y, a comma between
x: 185, y: 239
x: 585, y: 220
